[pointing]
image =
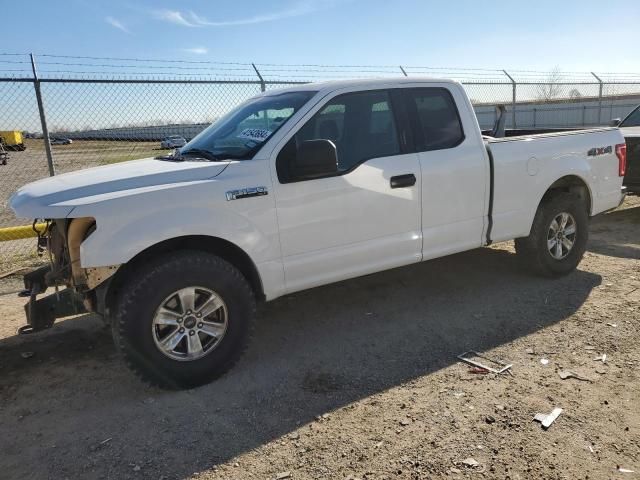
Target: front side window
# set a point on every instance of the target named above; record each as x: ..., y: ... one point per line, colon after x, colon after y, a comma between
x: 241, y: 133
x: 435, y: 118
x: 361, y: 125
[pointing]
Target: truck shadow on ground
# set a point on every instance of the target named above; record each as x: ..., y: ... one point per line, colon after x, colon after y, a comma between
x: 312, y: 352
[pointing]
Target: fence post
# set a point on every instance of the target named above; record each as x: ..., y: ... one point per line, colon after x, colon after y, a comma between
x: 403, y: 72
x: 262, y: 84
x: 535, y: 111
x: 599, y: 99
x: 513, y: 106
x: 43, y: 118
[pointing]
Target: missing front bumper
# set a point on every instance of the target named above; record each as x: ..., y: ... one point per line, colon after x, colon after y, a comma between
x: 42, y: 313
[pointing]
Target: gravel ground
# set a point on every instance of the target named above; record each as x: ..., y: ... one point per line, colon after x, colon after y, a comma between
x: 358, y: 380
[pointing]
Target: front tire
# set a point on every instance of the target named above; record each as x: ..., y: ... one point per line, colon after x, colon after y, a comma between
x: 184, y: 319
x: 558, y: 237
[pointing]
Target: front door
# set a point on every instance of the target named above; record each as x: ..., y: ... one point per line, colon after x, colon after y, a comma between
x: 361, y: 219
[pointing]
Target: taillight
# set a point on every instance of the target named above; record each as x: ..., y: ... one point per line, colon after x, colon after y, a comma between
x: 621, y: 153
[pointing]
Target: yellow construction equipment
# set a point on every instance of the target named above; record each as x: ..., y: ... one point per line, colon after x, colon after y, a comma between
x: 12, y: 140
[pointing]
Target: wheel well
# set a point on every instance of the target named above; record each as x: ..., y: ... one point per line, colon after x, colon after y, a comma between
x: 571, y: 184
x: 222, y: 248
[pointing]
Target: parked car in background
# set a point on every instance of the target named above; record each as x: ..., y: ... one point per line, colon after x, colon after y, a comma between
x: 294, y: 189
x: 173, y: 141
x: 630, y: 127
x: 60, y: 141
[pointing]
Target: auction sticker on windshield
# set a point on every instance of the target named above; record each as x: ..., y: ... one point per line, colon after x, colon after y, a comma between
x: 257, y: 134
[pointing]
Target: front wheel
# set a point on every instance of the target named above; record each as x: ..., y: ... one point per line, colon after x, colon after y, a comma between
x: 184, y: 319
x: 558, y: 237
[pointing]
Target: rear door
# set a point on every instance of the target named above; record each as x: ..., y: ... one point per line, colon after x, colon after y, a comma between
x: 365, y: 218
x: 454, y: 167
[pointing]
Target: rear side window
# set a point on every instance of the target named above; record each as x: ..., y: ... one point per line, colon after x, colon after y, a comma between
x: 435, y: 117
x: 361, y: 125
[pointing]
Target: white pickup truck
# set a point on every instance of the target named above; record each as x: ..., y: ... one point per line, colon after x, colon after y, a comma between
x: 297, y: 188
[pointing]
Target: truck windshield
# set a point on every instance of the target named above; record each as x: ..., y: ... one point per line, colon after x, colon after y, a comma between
x: 633, y: 120
x: 241, y: 132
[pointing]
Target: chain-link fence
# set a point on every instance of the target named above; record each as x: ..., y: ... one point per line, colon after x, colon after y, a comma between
x: 96, y: 111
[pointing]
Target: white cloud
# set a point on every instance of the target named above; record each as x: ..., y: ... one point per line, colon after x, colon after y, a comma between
x: 196, y: 50
x: 114, y: 22
x: 174, y: 16
x: 192, y: 19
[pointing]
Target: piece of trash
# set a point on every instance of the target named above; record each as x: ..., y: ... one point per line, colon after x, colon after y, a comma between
x: 544, y: 361
x: 590, y: 448
x: 479, y: 371
x: 564, y: 374
x: 136, y: 468
x: 471, y: 462
x: 625, y: 470
x: 105, y: 441
x: 602, y: 358
x: 455, y: 470
x: 530, y: 351
x: 489, y: 419
x: 466, y: 357
x: 547, y: 420
x: 614, y: 325
x: 404, y: 422
x: 283, y: 475
x: 27, y: 354
x: 589, y: 347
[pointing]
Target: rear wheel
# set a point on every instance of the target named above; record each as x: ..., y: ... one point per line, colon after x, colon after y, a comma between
x: 558, y: 237
x: 184, y: 319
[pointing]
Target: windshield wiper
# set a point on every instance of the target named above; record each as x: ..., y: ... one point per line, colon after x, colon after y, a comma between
x: 199, y: 152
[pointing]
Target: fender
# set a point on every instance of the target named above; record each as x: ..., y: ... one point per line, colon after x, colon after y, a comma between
x: 572, y: 166
x: 195, y: 208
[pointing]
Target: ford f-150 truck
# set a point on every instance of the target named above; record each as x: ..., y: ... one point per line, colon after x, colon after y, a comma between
x: 297, y: 188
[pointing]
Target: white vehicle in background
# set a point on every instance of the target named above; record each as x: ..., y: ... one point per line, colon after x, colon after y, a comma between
x: 298, y: 188
x: 173, y: 141
x: 60, y: 141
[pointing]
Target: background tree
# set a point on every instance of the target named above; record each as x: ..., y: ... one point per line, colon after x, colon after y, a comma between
x: 550, y: 89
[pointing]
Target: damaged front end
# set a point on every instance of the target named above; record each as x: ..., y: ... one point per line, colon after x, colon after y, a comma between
x: 77, y: 290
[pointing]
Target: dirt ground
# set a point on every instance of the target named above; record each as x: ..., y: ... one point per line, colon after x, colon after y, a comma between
x: 358, y: 380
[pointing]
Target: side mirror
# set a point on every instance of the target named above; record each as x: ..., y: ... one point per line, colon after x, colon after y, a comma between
x: 316, y: 158
x: 615, y: 122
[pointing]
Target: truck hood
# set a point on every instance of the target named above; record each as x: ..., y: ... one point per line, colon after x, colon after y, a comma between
x: 56, y: 197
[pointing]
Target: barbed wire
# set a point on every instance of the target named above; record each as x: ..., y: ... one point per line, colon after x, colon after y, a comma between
x: 105, y: 65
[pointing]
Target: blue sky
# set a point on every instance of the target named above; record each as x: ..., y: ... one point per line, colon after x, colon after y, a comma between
x: 538, y: 35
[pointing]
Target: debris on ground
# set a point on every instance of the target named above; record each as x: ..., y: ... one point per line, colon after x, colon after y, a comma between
x: 564, y: 374
x: 27, y: 354
x: 624, y: 470
x: 602, y: 358
x: 283, y: 475
x: 467, y: 357
x: 547, y: 420
x: 544, y: 361
x: 471, y: 462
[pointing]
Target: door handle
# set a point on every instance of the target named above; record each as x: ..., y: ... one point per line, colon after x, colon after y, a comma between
x: 401, y: 181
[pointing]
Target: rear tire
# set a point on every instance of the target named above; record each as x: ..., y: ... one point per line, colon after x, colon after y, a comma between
x: 213, y: 320
x: 558, y: 237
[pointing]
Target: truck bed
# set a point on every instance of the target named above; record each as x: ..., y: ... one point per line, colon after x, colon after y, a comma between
x: 523, y: 169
